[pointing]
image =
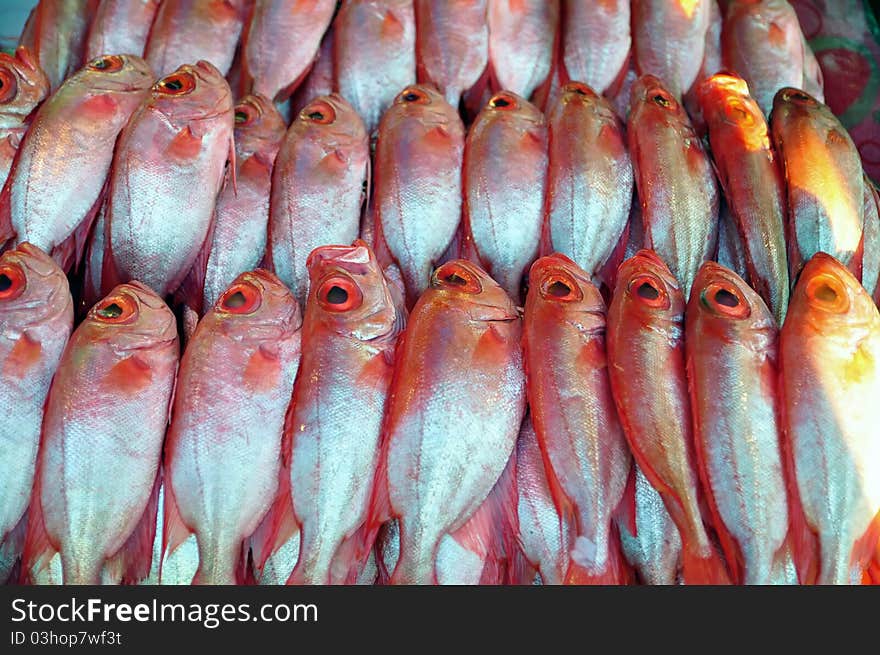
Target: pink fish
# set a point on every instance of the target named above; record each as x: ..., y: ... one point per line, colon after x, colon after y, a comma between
x: 596, y: 42
x: 23, y: 86
x: 120, y: 26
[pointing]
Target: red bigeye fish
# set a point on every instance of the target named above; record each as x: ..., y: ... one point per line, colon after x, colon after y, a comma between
x: 274, y: 71
x: 223, y: 452
x: 241, y: 217
x: 374, y: 54
x: 94, y: 497
x: 752, y: 182
x: 762, y: 42
x: 335, y: 419
x: 589, y: 178
x: 417, y: 200
x: 178, y: 141
x: 23, y: 86
x: 731, y: 340
x: 674, y: 178
x: 647, y: 369
x: 573, y: 411
x: 192, y: 30
x: 505, y: 173
x: 544, y: 535
x: 829, y: 349
x: 522, y: 39
x: 824, y: 179
x: 56, y: 33
x: 596, y: 41
x: 120, y: 27
x: 36, y: 316
x: 319, y: 80
x: 57, y: 180
x: 317, y: 187
x: 452, y: 48
x: 669, y: 39
x: 437, y: 467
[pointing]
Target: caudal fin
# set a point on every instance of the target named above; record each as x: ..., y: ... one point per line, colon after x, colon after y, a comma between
x: 703, y: 568
x: 615, y: 572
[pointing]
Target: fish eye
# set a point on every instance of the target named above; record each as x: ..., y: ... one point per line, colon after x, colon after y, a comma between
x: 650, y: 291
x: 176, y: 84
x: 107, y: 63
x: 412, y: 95
x: 828, y: 293
x: 454, y: 275
x: 559, y: 286
x: 662, y: 99
x: 503, y: 101
x: 8, y: 85
x: 245, y: 114
x: 117, y: 308
x: 12, y: 282
x: 339, y: 293
x: 579, y: 88
x: 725, y: 299
x: 320, y: 112
x: 241, y: 298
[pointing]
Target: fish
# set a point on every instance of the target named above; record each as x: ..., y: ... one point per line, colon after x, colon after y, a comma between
x: 241, y: 217
x: 276, y: 72
x: 56, y: 33
x: 750, y: 176
x: 871, y: 259
x: 731, y: 251
x: 711, y: 65
x: 829, y: 383
x: 669, y: 40
x: 120, y: 27
x: 674, y: 180
x: 317, y: 187
x: 351, y: 328
x: 645, y: 338
x: 177, y: 141
x: 374, y: 52
x: 23, y: 86
x: 522, y: 41
x: 223, y: 451
x: 452, y: 45
x: 56, y: 183
x: 731, y: 342
x: 417, y: 188
x: 93, y: 501
x: 36, y: 318
x: 505, y: 178
x: 193, y: 30
x: 823, y: 176
x: 573, y: 412
x: 596, y: 42
x: 319, y: 80
x: 437, y: 468
x: 762, y: 42
x: 589, y: 178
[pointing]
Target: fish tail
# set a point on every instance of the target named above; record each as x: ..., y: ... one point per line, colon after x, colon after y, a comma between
x: 703, y: 567
x: 615, y: 572
x: 416, y: 564
x: 218, y: 564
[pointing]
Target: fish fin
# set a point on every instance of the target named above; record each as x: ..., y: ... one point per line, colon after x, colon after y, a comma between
x: 865, y: 548
x: 625, y: 513
x: 380, y: 510
x: 38, y: 548
x: 189, y: 323
x: 368, y: 218
x: 616, y: 571
x: 473, y: 99
x: 191, y: 289
x: 174, y: 530
x: 231, y: 168
x: 22, y: 357
x: 617, y: 85
x: 11, y: 547
x: 7, y: 233
x: 110, y: 275
x: 347, y: 563
x: 607, y: 272
x: 132, y: 562
x: 700, y: 569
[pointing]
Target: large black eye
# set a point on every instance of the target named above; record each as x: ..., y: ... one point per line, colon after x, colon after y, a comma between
x: 110, y: 311
x: 647, y: 291
x: 724, y: 297
x: 5, y: 282
x: 661, y: 100
x: 337, y: 295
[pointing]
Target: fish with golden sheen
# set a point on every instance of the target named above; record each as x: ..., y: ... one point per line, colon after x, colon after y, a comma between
x: 505, y: 178
x: 762, y: 42
x: 104, y: 424
x: 333, y: 431
x: 223, y: 452
x: 438, y: 467
x: 57, y: 179
x: 275, y: 71
x: 522, y: 39
x: 829, y: 382
x: 669, y: 39
x: 177, y: 142
x: 120, y: 27
x: 596, y: 41
x: 674, y: 179
x: 750, y: 176
x: 824, y: 179
x: 417, y: 188
x: 192, y: 30
x: 648, y: 377
x: 589, y: 178
x: 317, y: 187
x: 374, y: 45
x: 36, y: 317
x: 452, y: 48
x: 241, y: 217
x: 23, y: 86
x: 732, y: 356
x: 56, y: 33
x: 573, y: 411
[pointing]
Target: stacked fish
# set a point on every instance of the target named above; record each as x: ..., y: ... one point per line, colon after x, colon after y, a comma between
x: 526, y: 291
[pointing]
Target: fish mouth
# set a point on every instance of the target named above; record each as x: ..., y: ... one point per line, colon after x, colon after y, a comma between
x: 355, y: 259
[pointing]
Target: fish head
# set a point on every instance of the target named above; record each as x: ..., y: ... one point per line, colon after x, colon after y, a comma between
x: 649, y: 292
x: 192, y: 92
x: 508, y: 106
x: 580, y: 94
x: 651, y: 102
x: 115, y: 74
x: 349, y: 294
x: 33, y: 288
x: 725, y: 99
x: 331, y: 120
x: 726, y: 303
x: 257, y: 306
x: 557, y: 284
x: 132, y: 317
x: 23, y: 84
x: 467, y: 287
x: 258, y: 125
x: 424, y: 102
x: 790, y: 103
